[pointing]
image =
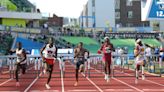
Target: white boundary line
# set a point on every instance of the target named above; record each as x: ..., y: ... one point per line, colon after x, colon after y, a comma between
x: 9, y: 91
x: 6, y: 81
x: 154, y: 82
x: 44, y: 91
x: 129, y: 85
x: 123, y: 82
x: 82, y: 90
x: 146, y: 80
x: 119, y: 90
x: 11, y: 79
x: 62, y: 81
x: 91, y: 82
x: 26, y: 90
x: 147, y: 72
x: 155, y: 90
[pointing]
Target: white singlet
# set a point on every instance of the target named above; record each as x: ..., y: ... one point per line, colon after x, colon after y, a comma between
x: 20, y: 56
x: 140, y: 58
x: 49, y: 53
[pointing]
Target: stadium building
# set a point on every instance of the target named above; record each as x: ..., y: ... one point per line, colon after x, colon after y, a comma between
x: 19, y: 13
x: 122, y: 15
x: 98, y: 14
x: 128, y: 14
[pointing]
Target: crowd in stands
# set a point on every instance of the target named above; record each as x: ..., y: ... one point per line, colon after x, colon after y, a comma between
x: 130, y: 35
x: 72, y: 32
x: 113, y: 35
x: 5, y: 42
x: 60, y: 43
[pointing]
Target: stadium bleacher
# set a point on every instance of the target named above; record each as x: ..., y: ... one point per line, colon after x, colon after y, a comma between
x: 6, y: 42
x: 28, y: 44
x: 89, y: 43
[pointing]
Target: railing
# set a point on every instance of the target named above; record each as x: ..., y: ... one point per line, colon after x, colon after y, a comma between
x: 26, y: 30
x: 92, y: 62
x: 35, y: 60
x: 10, y: 60
x: 21, y: 15
x: 152, y: 66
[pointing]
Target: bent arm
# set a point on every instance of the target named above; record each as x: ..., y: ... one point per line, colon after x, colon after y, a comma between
x: 41, y: 52
x: 56, y: 52
x: 112, y: 47
x: 76, y: 54
x: 24, y: 55
x: 12, y: 51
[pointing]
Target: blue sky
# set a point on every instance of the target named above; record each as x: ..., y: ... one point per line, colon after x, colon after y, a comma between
x: 65, y: 8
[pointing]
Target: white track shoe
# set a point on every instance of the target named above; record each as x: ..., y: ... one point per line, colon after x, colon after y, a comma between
x: 105, y: 77
x: 47, y: 86
x: 17, y: 84
x: 136, y: 81
x: 143, y: 77
x: 44, y: 71
x: 108, y: 78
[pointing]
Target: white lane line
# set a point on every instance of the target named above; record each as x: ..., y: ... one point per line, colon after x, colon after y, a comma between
x: 119, y: 90
x: 145, y: 79
x: 82, y: 90
x: 26, y: 90
x: 9, y: 91
x: 148, y: 73
x: 122, y: 82
x: 155, y: 90
x: 44, y: 91
x: 62, y: 81
x: 154, y: 82
x: 129, y: 85
x: 6, y: 81
x: 92, y: 82
x: 11, y: 79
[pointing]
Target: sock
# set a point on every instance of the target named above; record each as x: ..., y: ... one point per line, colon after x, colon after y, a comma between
x: 136, y: 74
x: 143, y: 70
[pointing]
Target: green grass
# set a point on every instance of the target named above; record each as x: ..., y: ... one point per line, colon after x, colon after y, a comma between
x: 152, y: 42
x: 92, y: 48
x: 123, y: 42
x: 89, y: 44
x: 130, y: 43
x: 76, y: 40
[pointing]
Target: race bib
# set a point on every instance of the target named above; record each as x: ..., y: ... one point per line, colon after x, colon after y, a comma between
x: 107, y: 50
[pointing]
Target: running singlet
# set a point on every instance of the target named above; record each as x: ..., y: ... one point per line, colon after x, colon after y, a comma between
x: 141, y: 51
x: 20, y: 56
x: 107, y: 52
x: 50, y: 53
